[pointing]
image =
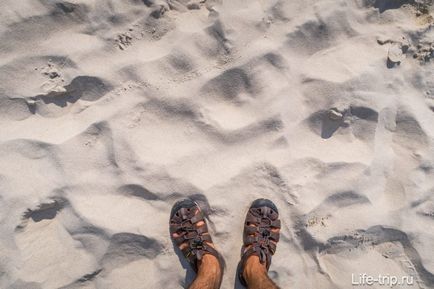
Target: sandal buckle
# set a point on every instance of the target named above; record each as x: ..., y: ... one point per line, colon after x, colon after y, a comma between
x: 197, y: 244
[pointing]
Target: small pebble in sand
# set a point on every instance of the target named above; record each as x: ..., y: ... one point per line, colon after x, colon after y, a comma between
x: 396, y: 53
x: 335, y: 114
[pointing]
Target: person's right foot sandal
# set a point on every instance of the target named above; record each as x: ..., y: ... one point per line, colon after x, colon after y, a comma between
x: 260, y: 236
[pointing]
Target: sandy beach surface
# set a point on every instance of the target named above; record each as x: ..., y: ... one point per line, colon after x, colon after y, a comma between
x: 111, y: 111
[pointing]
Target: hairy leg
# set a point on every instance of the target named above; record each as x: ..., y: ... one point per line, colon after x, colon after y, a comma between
x: 256, y: 275
x: 209, y: 274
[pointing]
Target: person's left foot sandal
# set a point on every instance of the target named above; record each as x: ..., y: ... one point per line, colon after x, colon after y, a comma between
x: 184, y: 218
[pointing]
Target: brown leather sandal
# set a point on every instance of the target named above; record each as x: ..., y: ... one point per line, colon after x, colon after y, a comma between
x: 259, y: 238
x: 183, y: 219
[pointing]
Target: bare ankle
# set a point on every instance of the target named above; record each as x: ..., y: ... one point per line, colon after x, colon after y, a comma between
x: 209, y: 273
x: 253, y: 268
x: 208, y: 261
x: 256, y: 275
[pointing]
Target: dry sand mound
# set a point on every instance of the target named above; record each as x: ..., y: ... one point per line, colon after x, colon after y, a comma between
x: 110, y: 111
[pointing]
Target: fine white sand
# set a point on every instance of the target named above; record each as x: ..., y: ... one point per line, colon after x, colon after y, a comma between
x: 110, y: 111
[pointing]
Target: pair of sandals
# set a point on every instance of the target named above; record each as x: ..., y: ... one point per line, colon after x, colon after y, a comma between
x: 189, y: 232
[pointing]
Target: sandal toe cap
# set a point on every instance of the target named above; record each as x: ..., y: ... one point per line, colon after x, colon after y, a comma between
x: 264, y: 203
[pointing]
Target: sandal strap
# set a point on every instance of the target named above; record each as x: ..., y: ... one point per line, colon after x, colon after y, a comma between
x: 197, y: 249
x: 262, y: 253
x: 264, y: 258
x: 259, y: 236
x: 184, y: 224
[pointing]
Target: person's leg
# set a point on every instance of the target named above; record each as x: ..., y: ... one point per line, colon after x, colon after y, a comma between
x: 209, y: 274
x: 256, y: 275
